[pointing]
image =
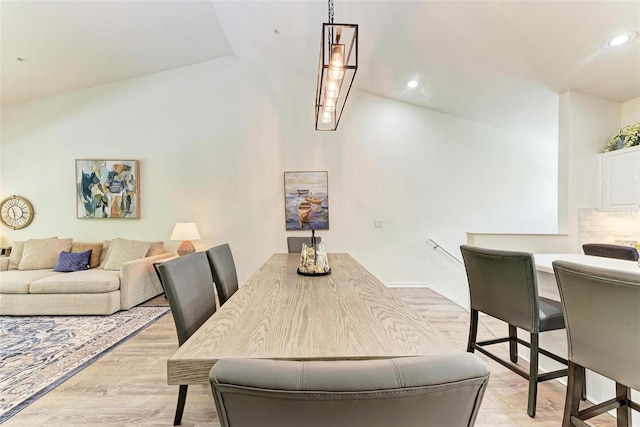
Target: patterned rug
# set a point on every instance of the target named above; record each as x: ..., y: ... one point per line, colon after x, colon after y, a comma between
x: 37, y: 353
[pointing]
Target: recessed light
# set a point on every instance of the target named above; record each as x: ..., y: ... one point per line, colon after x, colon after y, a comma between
x: 412, y: 84
x: 624, y: 38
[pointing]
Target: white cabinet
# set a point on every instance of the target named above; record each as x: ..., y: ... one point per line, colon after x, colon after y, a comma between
x: 619, y: 179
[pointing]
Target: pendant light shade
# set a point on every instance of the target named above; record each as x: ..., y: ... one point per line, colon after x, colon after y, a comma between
x: 336, y: 70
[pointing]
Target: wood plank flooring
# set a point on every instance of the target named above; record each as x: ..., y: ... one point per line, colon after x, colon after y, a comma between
x: 128, y: 386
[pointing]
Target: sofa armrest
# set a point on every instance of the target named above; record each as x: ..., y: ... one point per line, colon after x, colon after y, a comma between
x: 138, y: 281
x: 4, y: 263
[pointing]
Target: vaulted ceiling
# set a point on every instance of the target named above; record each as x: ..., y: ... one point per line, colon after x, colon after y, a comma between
x: 502, y: 63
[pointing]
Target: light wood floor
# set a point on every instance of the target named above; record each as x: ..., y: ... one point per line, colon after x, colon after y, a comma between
x: 127, y: 387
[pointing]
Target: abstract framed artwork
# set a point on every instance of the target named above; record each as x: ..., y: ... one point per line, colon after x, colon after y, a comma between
x: 108, y: 188
x: 306, y: 200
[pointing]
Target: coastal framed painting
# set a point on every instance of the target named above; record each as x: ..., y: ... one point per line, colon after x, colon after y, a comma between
x: 306, y: 200
x: 108, y: 188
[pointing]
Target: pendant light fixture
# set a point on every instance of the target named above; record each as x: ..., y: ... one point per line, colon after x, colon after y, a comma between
x: 336, y: 70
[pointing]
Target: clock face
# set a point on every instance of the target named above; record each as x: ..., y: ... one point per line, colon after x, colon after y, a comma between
x: 16, y: 212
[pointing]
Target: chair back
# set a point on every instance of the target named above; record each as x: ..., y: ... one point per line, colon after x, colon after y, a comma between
x: 443, y: 390
x: 503, y: 284
x: 602, y: 317
x: 611, y: 251
x: 294, y: 244
x: 188, y: 286
x: 223, y: 271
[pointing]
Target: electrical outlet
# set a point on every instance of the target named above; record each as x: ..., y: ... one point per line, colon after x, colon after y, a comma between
x: 378, y: 223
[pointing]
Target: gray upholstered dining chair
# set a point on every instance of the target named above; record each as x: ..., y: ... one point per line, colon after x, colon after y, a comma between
x: 223, y: 271
x: 503, y: 285
x: 611, y: 251
x: 602, y: 314
x: 440, y: 391
x: 188, y: 287
x: 294, y: 244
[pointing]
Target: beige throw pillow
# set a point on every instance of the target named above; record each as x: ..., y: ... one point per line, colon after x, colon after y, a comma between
x: 122, y: 250
x: 16, y: 254
x: 96, y: 251
x: 39, y: 254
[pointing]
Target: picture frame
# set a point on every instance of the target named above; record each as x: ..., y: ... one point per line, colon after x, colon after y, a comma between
x: 108, y: 189
x: 306, y: 200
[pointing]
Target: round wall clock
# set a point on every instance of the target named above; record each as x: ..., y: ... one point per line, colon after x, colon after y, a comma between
x: 16, y: 212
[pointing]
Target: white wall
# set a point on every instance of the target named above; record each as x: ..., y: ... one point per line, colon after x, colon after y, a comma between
x: 630, y: 112
x: 585, y: 125
x: 214, y: 140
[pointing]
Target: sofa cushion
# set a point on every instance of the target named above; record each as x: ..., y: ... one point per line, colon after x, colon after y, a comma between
x: 105, y: 252
x: 41, y: 254
x: 16, y: 254
x: 95, y: 248
x: 155, y: 248
x: 78, y: 282
x: 122, y: 250
x: 17, y: 282
x: 69, y: 261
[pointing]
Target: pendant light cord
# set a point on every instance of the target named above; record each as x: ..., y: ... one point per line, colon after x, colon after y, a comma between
x: 330, y: 32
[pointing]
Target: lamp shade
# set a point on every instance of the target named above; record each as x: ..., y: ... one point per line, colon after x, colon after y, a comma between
x: 185, y: 231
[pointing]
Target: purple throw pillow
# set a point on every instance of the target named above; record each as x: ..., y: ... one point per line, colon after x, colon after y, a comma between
x: 73, y: 261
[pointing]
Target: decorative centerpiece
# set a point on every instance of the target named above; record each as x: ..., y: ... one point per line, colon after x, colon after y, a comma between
x: 313, y: 259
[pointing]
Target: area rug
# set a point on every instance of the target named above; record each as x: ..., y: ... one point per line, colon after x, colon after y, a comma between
x: 37, y: 353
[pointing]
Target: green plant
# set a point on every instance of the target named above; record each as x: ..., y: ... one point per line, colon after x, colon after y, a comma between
x: 627, y: 137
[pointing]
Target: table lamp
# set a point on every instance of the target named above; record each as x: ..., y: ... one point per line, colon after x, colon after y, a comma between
x: 185, y: 231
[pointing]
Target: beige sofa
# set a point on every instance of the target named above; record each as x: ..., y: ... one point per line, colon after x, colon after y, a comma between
x: 121, y: 276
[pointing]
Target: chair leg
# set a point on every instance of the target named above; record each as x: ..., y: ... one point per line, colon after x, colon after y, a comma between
x: 575, y: 382
x: 623, y: 413
x: 513, y: 344
x: 182, y: 398
x: 473, y: 330
x: 533, y: 376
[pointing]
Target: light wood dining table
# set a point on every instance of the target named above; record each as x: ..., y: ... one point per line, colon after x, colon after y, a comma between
x: 279, y: 314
